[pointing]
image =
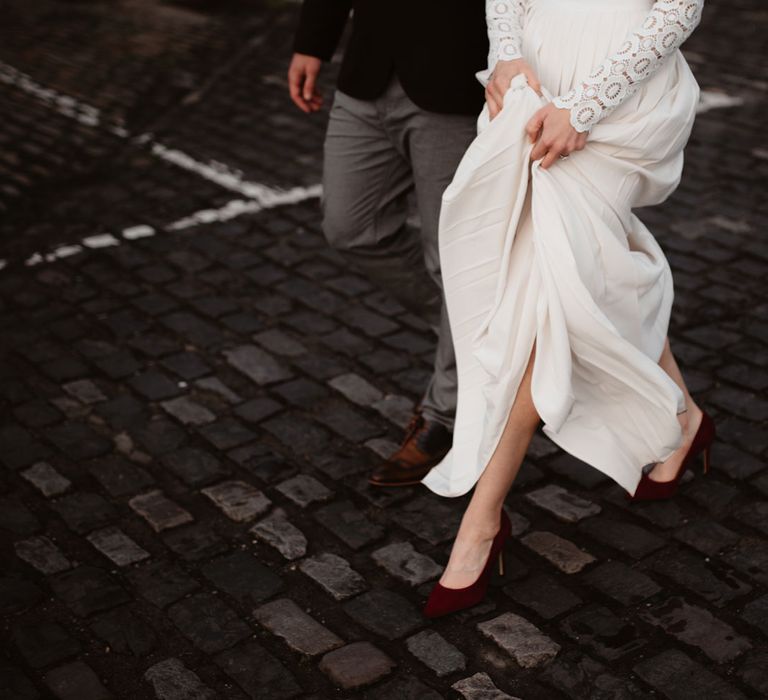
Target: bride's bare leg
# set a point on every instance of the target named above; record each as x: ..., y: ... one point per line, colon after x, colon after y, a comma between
x: 689, y: 421
x: 481, y: 519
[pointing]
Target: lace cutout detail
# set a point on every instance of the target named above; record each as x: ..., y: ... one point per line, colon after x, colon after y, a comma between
x: 505, y: 29
x: 668, y: 24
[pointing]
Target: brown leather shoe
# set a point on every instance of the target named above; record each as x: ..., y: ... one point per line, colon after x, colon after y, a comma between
x: 424, y: 445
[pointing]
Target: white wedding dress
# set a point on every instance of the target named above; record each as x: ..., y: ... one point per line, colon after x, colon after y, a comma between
x: 556, y: 256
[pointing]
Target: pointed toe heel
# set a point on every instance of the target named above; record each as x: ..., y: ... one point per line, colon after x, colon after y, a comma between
x: 443, y: 601
x: 650, y: 490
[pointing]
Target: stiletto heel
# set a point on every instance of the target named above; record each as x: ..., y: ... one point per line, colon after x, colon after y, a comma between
x: 444, y: 600
x: 650, y: 490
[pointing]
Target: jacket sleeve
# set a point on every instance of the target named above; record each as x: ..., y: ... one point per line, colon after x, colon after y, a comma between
x: 321, y: 23
x: 668, y: 24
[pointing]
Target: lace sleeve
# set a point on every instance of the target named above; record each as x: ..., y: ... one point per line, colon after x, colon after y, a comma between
x: 668, y: 24
x: 505, y: 29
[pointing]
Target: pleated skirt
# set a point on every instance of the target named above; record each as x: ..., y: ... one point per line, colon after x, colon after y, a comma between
x: 557, y: 257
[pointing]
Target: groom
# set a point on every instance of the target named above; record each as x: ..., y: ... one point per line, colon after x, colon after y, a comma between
x: 404, y: 113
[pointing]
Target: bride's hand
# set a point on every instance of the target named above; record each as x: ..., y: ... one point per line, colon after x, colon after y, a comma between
x: 502, y: 75
x: 556, y: 137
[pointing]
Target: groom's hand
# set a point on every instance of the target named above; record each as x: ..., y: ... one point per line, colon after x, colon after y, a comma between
x: 502, y: 75
x: 302, y: 76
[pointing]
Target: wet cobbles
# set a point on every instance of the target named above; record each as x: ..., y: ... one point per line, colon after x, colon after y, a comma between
x: 194, y: 388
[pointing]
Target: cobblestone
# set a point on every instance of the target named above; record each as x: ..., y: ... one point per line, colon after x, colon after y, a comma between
x: 356, y: 389
x: 161, y: 583
x: 159, y: 511
x: 580, y: 676
x: 396, y: 409
x: 565, y: 555
x: 240, y: 575
x: 334, y: 575
x: 625, y: 537
x: 623, y: 583
x: 43, y: 554
x: 227, y: 433
x: 117, y: 546
x: 523, y: 641
x: 195, y: 467
x: 194, y: 542
x: 544, y: 595
x: 279, y: 343
x: 383, y: 612
x: 300, y: 631
x: 436, y: 653
x: 480, y: 686
x: 87, y: 589
x: 46, y: 479
x: 356, y: 665
x: 696, y: 575
x: 304, y: 490
x: 208, y: 622
x: 84, y: 511
x: 238, y: 500
x: 277, y: 531
x: 44, y: 644
x: 257, y: 364
x: 188, y: 411
x: 186, y: 327
x: 752, y: 672
x: 349, y: 524
x: 706, y: 536
x: 258, y: 672
x: 125, y: 631
x: 756, y: 613
x: 216, y: 386
x: 75, y: 681
x: 562, y: 504
x: 403, y: 562
x: 401, y: 686
x: 674, y: 673
x: 698, y: 627
x: 85, y: 391
x: 172, y: 680
x: 600, y: 630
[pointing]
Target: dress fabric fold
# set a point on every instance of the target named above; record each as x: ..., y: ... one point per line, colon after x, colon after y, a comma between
x: 556, y: 257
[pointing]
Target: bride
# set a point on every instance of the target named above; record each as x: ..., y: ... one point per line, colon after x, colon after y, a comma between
x: 558, y: 296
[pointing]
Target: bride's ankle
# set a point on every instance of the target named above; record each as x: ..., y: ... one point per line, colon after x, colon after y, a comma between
x: 481, y: 526
x: 694, y: 415
x: 690, y: 418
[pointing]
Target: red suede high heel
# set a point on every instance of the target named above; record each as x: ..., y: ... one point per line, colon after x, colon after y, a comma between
x: 650, y: 490
x: 444, y: 600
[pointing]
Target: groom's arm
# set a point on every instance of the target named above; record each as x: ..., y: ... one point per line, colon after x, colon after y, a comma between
x: 320, y: 26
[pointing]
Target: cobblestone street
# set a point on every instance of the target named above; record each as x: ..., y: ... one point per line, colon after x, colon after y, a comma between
x: 194, y: 388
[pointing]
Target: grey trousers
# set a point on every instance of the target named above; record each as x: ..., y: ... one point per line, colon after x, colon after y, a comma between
x: 377, y: 153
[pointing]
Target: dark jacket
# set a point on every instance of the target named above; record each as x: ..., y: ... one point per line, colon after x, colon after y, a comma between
x: 434, y: 46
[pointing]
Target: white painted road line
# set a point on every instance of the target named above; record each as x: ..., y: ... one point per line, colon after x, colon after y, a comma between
x: 64, y: 104
x: 259, y: 196
x: 713, y: 99
x: 238, y: 207
x: 230, y: 178
x: 231, y: 210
